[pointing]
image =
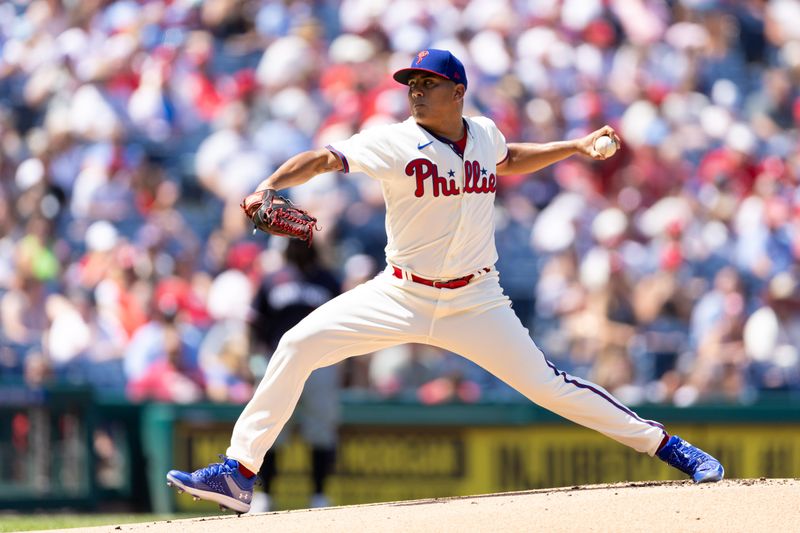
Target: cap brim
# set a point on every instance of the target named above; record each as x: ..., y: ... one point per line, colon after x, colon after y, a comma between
x: 404, y: 74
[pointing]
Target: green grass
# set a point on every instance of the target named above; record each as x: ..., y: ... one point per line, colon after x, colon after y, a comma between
x: 18, y: 522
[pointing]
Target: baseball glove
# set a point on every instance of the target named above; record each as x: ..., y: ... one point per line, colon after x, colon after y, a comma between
x: 277, y: 215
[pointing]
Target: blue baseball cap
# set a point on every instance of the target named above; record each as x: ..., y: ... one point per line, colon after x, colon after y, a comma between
x: 439, y: 62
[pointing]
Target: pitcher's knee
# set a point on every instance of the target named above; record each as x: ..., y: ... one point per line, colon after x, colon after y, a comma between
x: 302, y: 346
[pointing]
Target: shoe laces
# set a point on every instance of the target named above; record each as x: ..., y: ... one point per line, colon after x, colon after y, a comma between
x: 215, y: 469
x: 222, y: 468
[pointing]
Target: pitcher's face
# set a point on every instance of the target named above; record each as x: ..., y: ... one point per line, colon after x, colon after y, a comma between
x: 431, y: 98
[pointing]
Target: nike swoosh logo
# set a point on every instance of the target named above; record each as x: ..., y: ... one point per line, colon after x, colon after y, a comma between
x: 421, y: 146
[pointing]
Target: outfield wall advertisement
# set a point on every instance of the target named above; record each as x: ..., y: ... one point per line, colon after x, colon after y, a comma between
x: 387, y: 463
x: 67, y: 448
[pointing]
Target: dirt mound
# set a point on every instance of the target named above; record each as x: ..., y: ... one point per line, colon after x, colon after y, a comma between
x: 731, y: 505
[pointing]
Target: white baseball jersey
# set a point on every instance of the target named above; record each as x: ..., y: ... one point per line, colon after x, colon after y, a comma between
x: 439, y: 205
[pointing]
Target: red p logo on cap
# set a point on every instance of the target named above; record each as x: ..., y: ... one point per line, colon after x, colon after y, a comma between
x: 421, y: 56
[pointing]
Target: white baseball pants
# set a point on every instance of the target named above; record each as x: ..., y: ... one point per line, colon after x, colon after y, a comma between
x: 475, y: 321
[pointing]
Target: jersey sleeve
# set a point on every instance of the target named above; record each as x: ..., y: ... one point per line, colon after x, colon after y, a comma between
x: 369, y: 152
x: 496, y: 137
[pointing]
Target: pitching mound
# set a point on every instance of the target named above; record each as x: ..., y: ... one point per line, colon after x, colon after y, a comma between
x: 731, y: 505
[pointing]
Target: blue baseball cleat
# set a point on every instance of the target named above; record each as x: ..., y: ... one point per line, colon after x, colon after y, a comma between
x: 691, y: 460
x: 218, y: 482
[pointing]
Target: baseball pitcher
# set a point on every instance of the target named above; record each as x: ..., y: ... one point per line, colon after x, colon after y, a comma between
x: 439, y: 174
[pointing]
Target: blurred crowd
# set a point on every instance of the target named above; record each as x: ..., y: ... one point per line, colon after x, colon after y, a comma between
x: 130, y: 130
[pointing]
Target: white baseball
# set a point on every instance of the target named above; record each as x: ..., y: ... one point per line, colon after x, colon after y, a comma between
x: 605, y: 146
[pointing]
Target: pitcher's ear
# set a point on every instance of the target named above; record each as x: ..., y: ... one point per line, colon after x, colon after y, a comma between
x: 460, y: 91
